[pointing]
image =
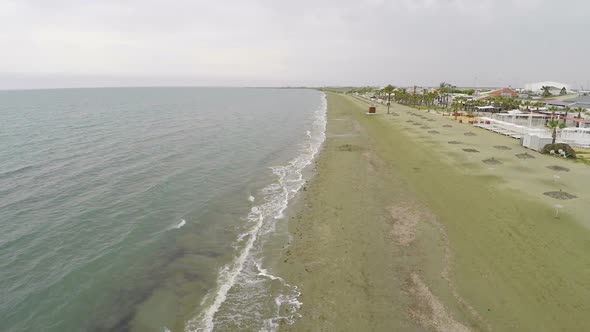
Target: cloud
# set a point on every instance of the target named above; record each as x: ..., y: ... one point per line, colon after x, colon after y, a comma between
x: 487, y: 42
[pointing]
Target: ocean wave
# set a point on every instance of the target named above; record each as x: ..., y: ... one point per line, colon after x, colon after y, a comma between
x: 11, y: 174
x: 246, y: 268
x: 180, y: 224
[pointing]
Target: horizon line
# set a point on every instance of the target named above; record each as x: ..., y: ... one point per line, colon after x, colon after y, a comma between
x: 233, y: 87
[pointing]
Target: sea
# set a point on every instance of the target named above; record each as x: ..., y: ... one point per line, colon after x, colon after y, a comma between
x: 151, y: 209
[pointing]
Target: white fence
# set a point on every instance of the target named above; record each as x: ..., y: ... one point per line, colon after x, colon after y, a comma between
x: 575, y: 137
x: 510, y: 129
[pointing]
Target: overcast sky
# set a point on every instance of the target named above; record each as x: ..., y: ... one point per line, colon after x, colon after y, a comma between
x: 59, y: 43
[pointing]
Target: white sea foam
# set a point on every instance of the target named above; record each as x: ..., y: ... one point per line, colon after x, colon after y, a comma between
x: 177, y: 225
x: 251, y: 198
x: 180, y: 224
x: 290, y: 300
x: 263, y: 218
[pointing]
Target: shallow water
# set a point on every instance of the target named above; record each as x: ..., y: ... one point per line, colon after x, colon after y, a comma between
x: 144, y: 208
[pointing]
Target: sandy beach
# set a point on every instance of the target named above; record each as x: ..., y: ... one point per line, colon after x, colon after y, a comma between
x: 414, y: 222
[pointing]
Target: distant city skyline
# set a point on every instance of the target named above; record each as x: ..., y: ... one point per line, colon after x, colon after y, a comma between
x: 306, y: 43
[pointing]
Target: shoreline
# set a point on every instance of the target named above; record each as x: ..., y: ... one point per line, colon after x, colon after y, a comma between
x: 400, y: 230
x: 258, y: 240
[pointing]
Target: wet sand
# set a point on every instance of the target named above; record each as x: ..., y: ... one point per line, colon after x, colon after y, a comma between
x: 400, y: 230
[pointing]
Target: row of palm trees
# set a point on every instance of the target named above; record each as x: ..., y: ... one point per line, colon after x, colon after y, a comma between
x: 402, y: 96
x: 438, y: 98
x: 501, y: 103
x: 567, y: 110
x: 554, y: 123
x: 441, y: 98
x: 428, y: 98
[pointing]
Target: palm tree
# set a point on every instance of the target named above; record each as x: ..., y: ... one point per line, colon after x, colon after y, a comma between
x: 402, y: 96
x: 461, y: 102
x: 428, y: 98
x: 580, y: 110
x: 388, y: 90
x: 455, y: 106
x: 498, y: 102
x: 553, y: 109
x: 398, y: 94
x: 553, y: 125
x: 526, y: 105
x: 546, y: 91
x: 470, y: 105
x: 444, y: 88
x: 415, y: 99
x: 566, y: 109
x: 538, y: 105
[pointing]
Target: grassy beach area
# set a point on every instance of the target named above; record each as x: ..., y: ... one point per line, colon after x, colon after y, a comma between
x: 415, y: 222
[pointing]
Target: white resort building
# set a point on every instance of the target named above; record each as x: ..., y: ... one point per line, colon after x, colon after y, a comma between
x: 537, y: 86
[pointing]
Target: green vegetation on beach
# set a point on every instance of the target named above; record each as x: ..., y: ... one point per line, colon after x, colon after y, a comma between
x: 407, y: 232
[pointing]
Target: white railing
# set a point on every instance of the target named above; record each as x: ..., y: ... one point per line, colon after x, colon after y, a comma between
x: 510, y: 129
x: 577, y: 137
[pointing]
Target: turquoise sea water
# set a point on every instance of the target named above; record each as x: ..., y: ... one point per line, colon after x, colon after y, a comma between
x: 149, y: 209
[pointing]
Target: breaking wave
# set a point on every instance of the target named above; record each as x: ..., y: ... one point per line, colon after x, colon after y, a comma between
x: 244, y: 282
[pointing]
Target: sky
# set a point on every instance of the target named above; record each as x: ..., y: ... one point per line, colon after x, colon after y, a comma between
x: 84, y: 43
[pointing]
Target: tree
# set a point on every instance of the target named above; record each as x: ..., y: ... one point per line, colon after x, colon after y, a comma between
x: 567, y: 109
x: 400, y: 95
x: 505, y: 103
x: 553, y: 125
x: 527, y: 104
x: 429, y: 98
x: 460, y: 102
x: 473, y: 104
x: 416, y: 99
x: 546, y: 91
x: 538, y: 105
x: 388, y: 91
x: 553, y: 109
x: 580, y: 110
x: 455, y: 106
x: 444, y: 88
x: 563, y: 91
